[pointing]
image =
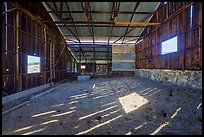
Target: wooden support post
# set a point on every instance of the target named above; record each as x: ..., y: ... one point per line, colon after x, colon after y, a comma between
x: 157, y: 42
x: 53, y: 55
x: 79, y: 62
x: 21, y: 59
x: 94, y: 65
x: 18, y: 76
x: 183, y: 40
x: 200, y: 35
x: 44, y: 51
x: 107, y: 60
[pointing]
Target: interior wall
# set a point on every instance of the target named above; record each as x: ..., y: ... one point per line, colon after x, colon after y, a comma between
x: 25, y: 34
x: 123, y: 57
x: 176, y: 20
x: 96, y: 69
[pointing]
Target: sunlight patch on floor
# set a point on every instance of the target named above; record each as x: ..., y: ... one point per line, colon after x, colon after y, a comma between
x: 132, y: 102
x: 99, y: 125
x: 35, y: 131
x: 41, y: 114
x: 159, y: 128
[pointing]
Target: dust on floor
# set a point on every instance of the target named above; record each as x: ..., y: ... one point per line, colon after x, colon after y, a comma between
x: 122, y: 105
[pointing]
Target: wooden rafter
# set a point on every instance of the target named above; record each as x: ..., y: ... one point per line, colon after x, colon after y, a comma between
x: 120, y: 12
x: 57, y: 14
x: 124, y: 34
x: 72, y: 21
x: 148, y: 16
x: 133, y: 28
x: 91, y: 21
x: 136, y: 6
x: 138, y: 23
x: 87, y: 16
x: 103, y: 25
x: 61, y: 6
x: 113, y: 17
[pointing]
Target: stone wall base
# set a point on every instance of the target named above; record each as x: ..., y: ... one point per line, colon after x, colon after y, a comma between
x: 122, y: 73
x: 185, y: 78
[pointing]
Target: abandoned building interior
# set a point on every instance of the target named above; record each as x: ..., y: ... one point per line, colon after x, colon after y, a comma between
x: 101, y: 68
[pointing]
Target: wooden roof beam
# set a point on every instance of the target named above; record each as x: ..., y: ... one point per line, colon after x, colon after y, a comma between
x: 57, y: 14
x: 136, y: 6
x: 138, y: 23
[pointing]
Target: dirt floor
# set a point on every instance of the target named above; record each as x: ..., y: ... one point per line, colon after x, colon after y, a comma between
x: 120, y: 105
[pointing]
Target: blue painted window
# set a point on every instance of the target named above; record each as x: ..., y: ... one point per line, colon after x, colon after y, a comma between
x: 169, y: 46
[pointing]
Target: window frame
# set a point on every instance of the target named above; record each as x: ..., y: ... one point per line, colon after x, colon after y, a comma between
x: 39, y: 64
x: 177, y: 49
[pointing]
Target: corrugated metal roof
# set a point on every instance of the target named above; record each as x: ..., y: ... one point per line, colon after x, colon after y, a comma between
x: 147, y: 6
x: 101, y: 6
x: 127, y: 6
x: 100, y: 17
x: 75, y: 6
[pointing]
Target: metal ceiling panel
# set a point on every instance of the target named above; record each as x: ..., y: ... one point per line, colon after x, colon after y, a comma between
x: 64, y: 30
x: 101, y: 34
x: 118, y: 31
x: 54, y: 17
x: 88, y: 49
x: 101, y: 49
x: 100, y: 17
x: 86, y: 39
x: 127, y: 6
x: 148, y: 6
x: 138, y: 17
x: 101, y: 6
x: 57, y: 5
x: 66, y: 15
x: 123, y: 17
x: 102, y: 31
x: 78, y: 17
x: 101, y: 38
x: 75, y: 6
x: 68, y: 31
x: 64, y: 8
x: 135, y: 32
x: 101, y: 54
x: 83, y: 30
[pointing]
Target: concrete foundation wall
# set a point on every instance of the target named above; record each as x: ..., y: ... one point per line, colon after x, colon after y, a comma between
x: 123, y: 73
x: 185, y: 78
x: 24, y: 93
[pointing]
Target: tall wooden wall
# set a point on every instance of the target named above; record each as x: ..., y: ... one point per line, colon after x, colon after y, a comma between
x: 28, y: 35
x: 175, y: 19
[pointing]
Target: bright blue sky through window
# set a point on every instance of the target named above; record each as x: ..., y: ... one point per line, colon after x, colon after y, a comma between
x: 32, y: 59
x: 169, y: 46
